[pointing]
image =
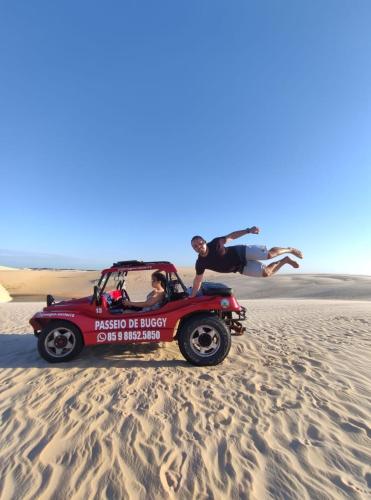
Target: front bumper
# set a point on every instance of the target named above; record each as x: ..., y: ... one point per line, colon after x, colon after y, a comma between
x: 234, y: 322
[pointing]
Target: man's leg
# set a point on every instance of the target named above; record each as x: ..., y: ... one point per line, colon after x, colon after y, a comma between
x: 275, y: 251
x: 275, y: 266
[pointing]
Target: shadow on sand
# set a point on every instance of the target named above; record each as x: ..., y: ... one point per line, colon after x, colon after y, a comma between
x: 20, y: 351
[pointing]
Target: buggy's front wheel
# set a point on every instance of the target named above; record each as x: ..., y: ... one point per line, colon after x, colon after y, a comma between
x: 204, y: 340
x: 59, y: 341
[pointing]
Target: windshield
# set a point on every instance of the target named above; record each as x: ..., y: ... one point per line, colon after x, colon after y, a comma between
x: 112, y: 281
x: 138, y: 284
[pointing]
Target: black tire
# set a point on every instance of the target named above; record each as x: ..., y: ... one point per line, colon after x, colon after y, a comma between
x: 204, y: 340
x: 60, y: 341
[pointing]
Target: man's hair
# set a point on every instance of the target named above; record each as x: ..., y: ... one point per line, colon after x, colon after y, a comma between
x: 197, y: 237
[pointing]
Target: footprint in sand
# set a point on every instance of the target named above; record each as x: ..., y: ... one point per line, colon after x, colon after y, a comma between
x: 299, y: 368
x: 314, y: 435
x: 240, y: 348
x: 297, y: 445
x: 313, y: 362
x: 362, y: 320
x: 346, y: 485
x: 259, y: 442
x: 251, y: 388
x: 131, y: 378
x: 346, y: 426
x: 289, y: 405
x: 363, y: 426
x: 222, y: 419
x: 356, y: 427
x: 6, y: 416
x: 225, y: 460
x: 330, y: 412
x: 171, y: 470
x: 208, y: 393
x: 270, y: 391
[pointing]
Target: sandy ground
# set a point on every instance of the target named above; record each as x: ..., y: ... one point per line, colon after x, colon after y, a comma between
x: 286, y: 415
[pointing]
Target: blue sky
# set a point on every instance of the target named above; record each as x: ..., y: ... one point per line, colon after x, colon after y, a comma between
x: 127, y: 127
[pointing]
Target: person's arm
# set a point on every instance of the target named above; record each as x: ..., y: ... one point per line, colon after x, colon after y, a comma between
x: 238, y: 234
x: 197, y: 284
x: 153, y: 300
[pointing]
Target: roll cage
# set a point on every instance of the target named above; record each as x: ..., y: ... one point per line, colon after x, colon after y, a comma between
x: 175, y: 288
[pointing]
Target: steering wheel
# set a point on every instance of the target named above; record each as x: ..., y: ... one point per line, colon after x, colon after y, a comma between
x: 108, y: 298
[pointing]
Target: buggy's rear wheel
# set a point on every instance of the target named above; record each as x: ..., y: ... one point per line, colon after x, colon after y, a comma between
x: 60, y: 341
x: 204, y: 340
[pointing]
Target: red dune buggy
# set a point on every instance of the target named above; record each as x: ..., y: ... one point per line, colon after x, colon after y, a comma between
x: 202, y: 325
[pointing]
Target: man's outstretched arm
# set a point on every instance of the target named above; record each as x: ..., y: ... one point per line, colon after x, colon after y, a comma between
x: 238, y: 234
x: 196, y: 284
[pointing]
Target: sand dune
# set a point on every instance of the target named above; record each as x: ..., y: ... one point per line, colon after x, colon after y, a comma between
x: 33, y: 285
x: 287, y: 415
x: 4, y: 295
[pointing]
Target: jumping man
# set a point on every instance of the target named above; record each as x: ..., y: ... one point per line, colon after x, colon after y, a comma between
x: 242, y: 259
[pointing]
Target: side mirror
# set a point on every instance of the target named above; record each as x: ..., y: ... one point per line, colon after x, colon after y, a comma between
x: 50, y: 300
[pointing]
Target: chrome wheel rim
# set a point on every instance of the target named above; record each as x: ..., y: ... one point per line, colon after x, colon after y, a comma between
x: 205, y: 341
x: 60, y: 342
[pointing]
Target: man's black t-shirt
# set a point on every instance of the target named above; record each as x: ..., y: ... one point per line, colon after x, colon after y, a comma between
x: 222, y: 259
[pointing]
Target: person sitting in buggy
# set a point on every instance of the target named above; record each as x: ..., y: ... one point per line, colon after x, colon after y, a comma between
x: 155, y: 299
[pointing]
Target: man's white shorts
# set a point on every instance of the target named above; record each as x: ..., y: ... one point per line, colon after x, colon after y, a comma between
x: 254, y: 253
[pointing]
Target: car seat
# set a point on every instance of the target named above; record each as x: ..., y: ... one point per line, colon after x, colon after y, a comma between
x: 175, y: 291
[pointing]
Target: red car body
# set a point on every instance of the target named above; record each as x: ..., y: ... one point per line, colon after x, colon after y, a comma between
x: 100, y: 323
